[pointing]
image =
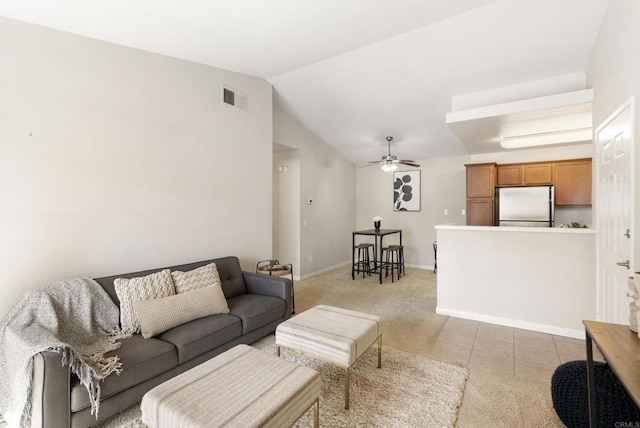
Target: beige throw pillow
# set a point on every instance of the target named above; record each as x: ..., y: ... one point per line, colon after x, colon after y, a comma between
x: 205, y: 276
x: 160, y: 315
x: 129, y: 291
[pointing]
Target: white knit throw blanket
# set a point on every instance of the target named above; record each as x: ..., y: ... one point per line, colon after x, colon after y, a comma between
x: 74, y: 317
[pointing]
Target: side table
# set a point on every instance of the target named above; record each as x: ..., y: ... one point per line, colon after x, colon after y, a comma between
x: 275, y: 268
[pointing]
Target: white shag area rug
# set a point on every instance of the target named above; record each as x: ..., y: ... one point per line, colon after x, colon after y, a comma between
x: 408, y: 391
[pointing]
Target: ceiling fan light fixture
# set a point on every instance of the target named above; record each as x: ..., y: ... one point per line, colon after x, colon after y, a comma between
x: 389, y: 167
x: 389, y: 163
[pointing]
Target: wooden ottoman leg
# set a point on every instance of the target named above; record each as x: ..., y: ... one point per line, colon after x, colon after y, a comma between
x: 316, y: 414
x: 278, y: 351
x: 380, y: 351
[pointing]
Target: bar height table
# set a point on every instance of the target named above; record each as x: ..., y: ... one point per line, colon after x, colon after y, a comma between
x: 378, y: 235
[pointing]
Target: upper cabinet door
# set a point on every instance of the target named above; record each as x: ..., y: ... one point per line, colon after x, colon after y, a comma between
x: 510, y: 175
x: 573, y: 182
x: 538, y: 173
x: 481, y: 180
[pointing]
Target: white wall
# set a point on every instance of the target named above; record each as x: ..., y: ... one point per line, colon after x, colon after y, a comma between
x: 329, y: 180
x: 286, y: 208
x: 114, y: 159
x: 443, y: 185
x: 614, y: 75
x: 533, y: 278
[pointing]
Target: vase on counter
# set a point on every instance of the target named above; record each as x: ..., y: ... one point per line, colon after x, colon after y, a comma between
x: 376, y: 225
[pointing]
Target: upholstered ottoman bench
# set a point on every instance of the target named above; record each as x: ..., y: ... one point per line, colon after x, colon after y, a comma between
x: 335, y: 335
x: 242, y: 387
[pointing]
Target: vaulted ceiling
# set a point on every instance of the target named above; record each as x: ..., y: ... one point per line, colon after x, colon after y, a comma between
x: 352, y: 71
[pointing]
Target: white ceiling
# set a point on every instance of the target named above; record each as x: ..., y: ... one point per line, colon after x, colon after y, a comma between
x: 352, y: 71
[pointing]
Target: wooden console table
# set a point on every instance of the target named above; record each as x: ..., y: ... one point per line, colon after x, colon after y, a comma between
x: 621, y: 349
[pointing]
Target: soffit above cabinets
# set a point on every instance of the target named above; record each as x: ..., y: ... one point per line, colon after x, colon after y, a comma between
x: 481, y: 129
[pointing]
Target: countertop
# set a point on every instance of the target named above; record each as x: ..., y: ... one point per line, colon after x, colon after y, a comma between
x: 517, y: 229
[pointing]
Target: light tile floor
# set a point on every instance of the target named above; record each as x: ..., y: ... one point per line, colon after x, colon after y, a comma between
x: 508, y: 351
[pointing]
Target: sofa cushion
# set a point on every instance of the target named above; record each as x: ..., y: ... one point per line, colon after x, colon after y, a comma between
x: 158, y: 315
x: 142, y: 359
x: 231, y: 276
x: 256, y: 311
x: 199, y: 336
x: 130, y: 290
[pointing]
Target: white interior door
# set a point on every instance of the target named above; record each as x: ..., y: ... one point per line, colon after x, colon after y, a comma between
x: 614, y: 211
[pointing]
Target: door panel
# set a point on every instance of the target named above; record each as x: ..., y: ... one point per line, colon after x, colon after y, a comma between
x: 538, y: 174
x: 480, y: 212
x: 510, y: 175
x: 614, y: 211
x: 573, y: 182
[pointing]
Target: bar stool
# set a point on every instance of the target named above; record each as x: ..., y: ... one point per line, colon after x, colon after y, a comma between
x: 362, y: 260
x: 389, y: 253
x: 400, y: 249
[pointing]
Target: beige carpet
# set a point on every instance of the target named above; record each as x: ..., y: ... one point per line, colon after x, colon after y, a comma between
x: 408, y: 391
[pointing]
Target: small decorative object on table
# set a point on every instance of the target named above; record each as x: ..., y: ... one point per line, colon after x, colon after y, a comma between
x: 376, y: 222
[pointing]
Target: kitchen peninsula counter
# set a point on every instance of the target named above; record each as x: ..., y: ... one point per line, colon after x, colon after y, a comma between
x: 535, y: 278
x: 511, y: 229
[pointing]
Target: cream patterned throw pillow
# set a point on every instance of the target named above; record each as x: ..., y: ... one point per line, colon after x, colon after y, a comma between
x: 202, y: 277
x: 158, y: 315
x: 129, y: 291
x: 205, y: 276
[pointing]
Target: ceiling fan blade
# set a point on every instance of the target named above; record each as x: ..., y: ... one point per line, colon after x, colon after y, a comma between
x: 410, y: 163
x: 370, y: 164
x: 391, y: 161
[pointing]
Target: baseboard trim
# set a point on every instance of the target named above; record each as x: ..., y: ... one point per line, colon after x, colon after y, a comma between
x: 423, y: 267
x: 509, y: 322
x: 321, y: 271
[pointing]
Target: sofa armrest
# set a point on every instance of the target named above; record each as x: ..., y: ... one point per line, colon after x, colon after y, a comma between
x: 51, y: 392
x: 266, y: 285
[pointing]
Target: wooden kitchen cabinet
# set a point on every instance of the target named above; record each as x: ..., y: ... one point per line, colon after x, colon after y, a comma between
x: 481, y: 180
x: 480, y: 212
x: 481, y: 183
x: 510, y: 175
x: 570, y: 178
x: 525, y: 174
x: 538, y: 173
x: 573, y: 182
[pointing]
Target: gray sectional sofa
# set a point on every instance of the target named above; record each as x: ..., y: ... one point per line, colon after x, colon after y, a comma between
x: 257, y: 303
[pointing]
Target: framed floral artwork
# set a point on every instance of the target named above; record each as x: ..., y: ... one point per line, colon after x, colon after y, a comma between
x: 406, y: 190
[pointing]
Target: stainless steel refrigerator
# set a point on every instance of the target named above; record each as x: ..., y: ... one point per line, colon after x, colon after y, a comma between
x: 525, y: 206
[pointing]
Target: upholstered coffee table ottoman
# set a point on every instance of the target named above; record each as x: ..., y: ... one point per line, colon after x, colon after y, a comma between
x: 335, y: 335
x: 243, y: 387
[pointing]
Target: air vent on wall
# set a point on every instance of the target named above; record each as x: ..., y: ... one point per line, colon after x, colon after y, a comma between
x: 234, y: 98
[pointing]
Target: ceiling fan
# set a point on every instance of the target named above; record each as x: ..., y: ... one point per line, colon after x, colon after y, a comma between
x: 390, y: 163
